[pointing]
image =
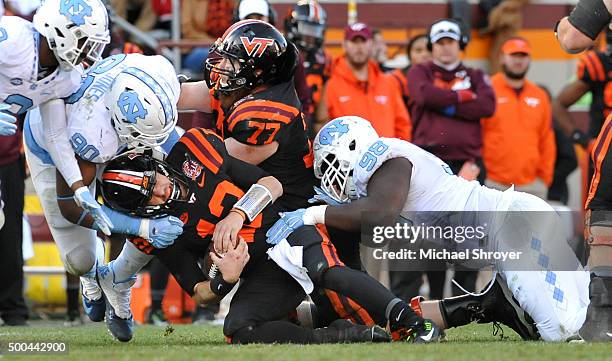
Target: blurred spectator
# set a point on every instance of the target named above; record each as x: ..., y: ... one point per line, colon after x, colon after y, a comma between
x: 518, y: 140
x: 305, y: 26
x: 565, y: 162
x: 205, y: 21
x: 593, y: 75
x: 379, y: 49
x: 503, y: 22
x: 145, y: 18
x: 417, y: 53
x: 448, y: 100
x: 13, y: 310
x: 357, y: 86
x: 254, y: 9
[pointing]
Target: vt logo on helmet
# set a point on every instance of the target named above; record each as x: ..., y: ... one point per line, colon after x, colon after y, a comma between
x: 249, y: 54
x: 257, y: 46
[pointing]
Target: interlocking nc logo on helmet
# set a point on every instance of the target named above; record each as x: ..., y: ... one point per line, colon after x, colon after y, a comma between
x: 256, y: 46
x: 75, y: 10
x: 131, y: 107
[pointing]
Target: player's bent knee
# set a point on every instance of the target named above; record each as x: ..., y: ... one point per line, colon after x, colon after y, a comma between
x: 80, y: 260
x: 243, y: 336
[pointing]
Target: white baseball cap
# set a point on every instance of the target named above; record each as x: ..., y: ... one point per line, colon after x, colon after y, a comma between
x: 445, y: 29
x: 248, y: 7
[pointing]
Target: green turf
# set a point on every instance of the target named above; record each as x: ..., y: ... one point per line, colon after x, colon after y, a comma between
x: 191, y: 343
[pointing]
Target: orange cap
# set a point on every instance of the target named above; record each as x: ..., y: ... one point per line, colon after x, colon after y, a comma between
x: 516, y: 45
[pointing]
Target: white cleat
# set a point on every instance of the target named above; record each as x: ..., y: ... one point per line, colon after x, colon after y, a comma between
x: 119, y: 318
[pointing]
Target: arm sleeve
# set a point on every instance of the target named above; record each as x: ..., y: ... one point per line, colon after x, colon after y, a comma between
x: 243, y: 174
x: 548, y: 149
x: 481, y: 107
x: 425, y: 94
x: 55, y: 133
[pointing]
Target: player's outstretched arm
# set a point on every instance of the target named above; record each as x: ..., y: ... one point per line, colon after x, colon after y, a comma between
x: 578, y: 31
x: 161, y: 232
x: 380, y: 207
x: 195, y: 96
x: 569, y: 95
x: 264, y: 192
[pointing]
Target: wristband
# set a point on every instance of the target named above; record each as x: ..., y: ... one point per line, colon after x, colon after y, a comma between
x: 254, y: 201
x: 220, y: 287
x: 590, y: 17
x: 240, y: 212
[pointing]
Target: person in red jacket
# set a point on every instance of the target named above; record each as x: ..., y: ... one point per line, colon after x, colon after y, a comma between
x: 357, y: 86
x: 448, y: 100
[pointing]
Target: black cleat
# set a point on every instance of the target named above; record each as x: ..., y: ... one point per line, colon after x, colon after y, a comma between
x: 499, y: 305
x: 344, y: 331
x: 598, y: 324
x: 424, y: 331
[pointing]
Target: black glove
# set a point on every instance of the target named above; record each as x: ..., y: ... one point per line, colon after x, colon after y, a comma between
x: 579, y: 137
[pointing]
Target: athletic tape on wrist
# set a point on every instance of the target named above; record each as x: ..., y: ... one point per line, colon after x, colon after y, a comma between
x: 254, y: 201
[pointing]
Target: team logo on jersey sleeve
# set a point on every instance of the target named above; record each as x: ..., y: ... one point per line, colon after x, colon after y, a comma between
x: 192, y: 169
x: 131, y: 106
x: 75, y: 10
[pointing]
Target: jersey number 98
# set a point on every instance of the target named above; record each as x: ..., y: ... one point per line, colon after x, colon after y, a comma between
x: 369, y: 158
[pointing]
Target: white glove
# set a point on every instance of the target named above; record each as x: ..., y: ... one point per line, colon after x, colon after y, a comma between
x: 7, y: 121
x: 86, y: 201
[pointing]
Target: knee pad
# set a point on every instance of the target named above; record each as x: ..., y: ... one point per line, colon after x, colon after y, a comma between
x: 243, y: 336
x: 80, y: 260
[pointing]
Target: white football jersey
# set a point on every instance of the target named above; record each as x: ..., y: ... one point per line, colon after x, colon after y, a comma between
x: 19, y: 69
x: 433, y: 187
x: 90, y: 129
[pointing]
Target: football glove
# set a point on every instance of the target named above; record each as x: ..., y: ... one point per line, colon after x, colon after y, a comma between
x: 7, y: 121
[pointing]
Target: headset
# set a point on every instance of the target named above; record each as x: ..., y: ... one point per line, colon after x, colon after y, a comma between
x: 464, y: 39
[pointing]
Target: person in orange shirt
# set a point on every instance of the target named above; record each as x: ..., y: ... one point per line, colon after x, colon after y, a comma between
x: 518, y: 140
x: 357, y: 86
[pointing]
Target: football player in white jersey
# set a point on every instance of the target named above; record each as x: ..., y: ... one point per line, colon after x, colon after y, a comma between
x: 41, y: 63
x: 370, y: 180
x: 126, y: 101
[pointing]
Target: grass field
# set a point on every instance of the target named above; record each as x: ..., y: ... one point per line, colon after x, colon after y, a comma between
x: 476, y: 342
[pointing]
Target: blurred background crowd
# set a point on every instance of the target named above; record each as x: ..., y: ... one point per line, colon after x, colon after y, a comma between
x: 481, y: 84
